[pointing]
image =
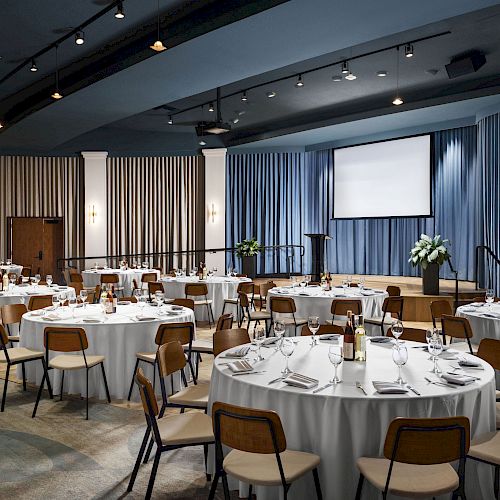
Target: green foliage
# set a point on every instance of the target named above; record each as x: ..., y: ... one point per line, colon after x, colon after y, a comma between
x: 248, y: 248
x: 429, y: 250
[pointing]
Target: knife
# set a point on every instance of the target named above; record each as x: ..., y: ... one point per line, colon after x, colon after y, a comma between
x: 322, y: 388
x: 247, y: 373
x: 412, y: 389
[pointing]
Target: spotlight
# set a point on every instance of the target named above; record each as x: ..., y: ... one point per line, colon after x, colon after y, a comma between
x: 158, y: 46
x: 202, y: 143
x: 350, y: 76
x: 244, y: 97
x: 235, y: 120
x: 170, y: 120
x: 56, y: 95
x: 345, y: 68
x: 382, y: 73
x: 300, y: 82
x: 408, y: 50
x: 79, y: 38
x: 397, y: 101
x: 33, y: 66
x: 211, y: 107
x: 337, y: 78
x: 271, y: 94
x: 119, y: 14
x: 1, y: 125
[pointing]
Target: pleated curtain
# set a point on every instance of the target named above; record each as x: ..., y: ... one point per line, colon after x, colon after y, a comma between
x: 33, y: 186
x: 155, y: 204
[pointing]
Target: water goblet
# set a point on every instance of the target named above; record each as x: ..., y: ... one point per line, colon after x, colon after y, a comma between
x: 287, y: 348
x: 55, y: 301
x: 345, y: 285
x: 490, y: 297
x: 313, y: 325
x: 349, y: 280
x: 258, y: 336
x: 83, y: 297
x: 12, y: 281
x: 8, y: 262
x: 137, y: 293
x: 336, y: 356
x: 279, y: 331
x: 72, y: 303
x: 400, y: 357
x: 37, y: 279
x: 159, y: 297
x: 49, y: 280
x: 397, y: 329
x: 361, y: 283
x: 435, y: 349
x: 62, y: 298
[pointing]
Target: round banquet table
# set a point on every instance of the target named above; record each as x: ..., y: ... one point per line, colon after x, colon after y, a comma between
x: 313, y: 301
x: 484, y: 320
x: 92, y: 277
x: 341, y: 424
x: 13, y: 268
x: 219, y: 288
x: 20, y: 294
x: 117, y: 336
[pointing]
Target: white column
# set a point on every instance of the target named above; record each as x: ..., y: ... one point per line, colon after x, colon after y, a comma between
x: 215, y: 200
x: 95, y: 203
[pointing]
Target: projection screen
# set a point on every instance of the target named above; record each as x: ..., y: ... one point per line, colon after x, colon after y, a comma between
x: 383, y: 179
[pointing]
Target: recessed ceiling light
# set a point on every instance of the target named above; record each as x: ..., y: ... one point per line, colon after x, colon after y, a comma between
x: 397, y: 101
x: 33, y: 68
x: 79, y: 38
x: 271, y: 94
x: 211, y: 107
x: 300, y: 82
x: 244, y: 97
x: 382, y: 73
x: 350, y: 76
x: 408, y: 50
x: 337, y: 78
x: 345, y: 68
x: 119, y: 14
x: 432, y: 71
x: 170, y: 120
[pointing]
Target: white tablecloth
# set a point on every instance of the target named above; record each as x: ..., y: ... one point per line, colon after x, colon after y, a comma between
x: 219, y: 288
x: 312, y: 301
x: 92, y: 277
x: 119, y: 337
x: 341, y: 424
x: 13, y: 268
x: 21, y: 294
x: 484, y: 320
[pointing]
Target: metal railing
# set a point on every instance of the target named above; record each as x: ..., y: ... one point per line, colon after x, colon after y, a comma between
x: 485, y: 253
x: 452, y: 269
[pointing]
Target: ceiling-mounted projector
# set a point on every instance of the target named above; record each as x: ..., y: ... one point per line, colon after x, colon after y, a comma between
x: 465, y: 64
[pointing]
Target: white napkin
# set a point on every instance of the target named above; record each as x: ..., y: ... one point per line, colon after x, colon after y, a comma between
x: 298, y: 380
x: 176, y: 308
x: 367, y: 293
x: 124, y: 302
x: 329, y: 336
x: 270, y: 341
x: 458, y: 379
x: 469, y: 362
x: 389, y: 387
x: 240, y: 366
x: 145, y: 318
x: 52, y: 317
x: 92, y: 320
x: 239, y: 352
x: 380, y: 340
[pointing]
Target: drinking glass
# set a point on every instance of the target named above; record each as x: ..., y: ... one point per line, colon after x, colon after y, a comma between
x: 435, y: 349
x: 345, y: 285
x: 229, y: 271
x: 62, y: 298
x: 142, y: 302
x: 12, y: 281
x: 8, y: 262
x: 55, y: 301
x: 400, y: 357
x: 397, y: 329
x: 313, y: 325
x: 258, y: 336
x: 83, y: 297
x: 214, y: 270
x: 490, y: 297
x: 137, y: 294
x: 349, y: 280
x: 336, y: 356
x: 293, y: 279
x: 287, y: 348
x: 37, y: 279
x: 303, y: 283
x: 159, y: 296
x: 279, y: 331
x: 145, y: 265
x: 72, y: 303
x: 361, y: 283
x: 49, y: 280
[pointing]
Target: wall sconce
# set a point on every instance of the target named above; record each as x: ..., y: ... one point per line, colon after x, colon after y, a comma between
x: 212, y: 213
x: 92, y: 214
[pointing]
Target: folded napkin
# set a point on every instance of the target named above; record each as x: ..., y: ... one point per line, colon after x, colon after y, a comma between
x: 52, y: 317
x: 367, y: 292
x: 270, y: 341
x: 298, y: 380
x: 177, y: 308
x: 329, y: 336
x: 467, y: 309
x: 39, y: 312
x: 450, y: 354
x: 239, y: 352
x: 145, y: 318
x: 92, y: 320
x: 240, y: 366
x: 389, y: 387
x: 380, y: 340
x: 458, y: 379
x: 124, y: 302
x: 469, y: 362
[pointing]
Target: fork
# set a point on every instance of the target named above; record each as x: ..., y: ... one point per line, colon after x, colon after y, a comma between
x: 440, y: 383
x: 359, y: 386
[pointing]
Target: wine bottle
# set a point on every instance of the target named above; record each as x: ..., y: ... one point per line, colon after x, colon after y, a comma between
x: 349, y: 339
x: 109, y: 302
x: 205, y: 271
x: 360, y: 340
x: 115, y: 298
x: 200, y: 271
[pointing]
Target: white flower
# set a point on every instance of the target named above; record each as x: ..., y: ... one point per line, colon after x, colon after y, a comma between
x: 422, y: 253
x: 432, y: 257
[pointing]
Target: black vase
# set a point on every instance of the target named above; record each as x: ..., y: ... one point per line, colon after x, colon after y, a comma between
x: 249, y: 266
x: 430, y: 279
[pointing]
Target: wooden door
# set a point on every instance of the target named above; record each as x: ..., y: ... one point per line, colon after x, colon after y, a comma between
x: 37, y: 242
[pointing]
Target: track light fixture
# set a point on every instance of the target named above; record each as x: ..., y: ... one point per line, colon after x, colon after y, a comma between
x: 120, y: 13
x: 33, y: 68
x: 79, y: 38
x: 170, y: 120
x: 271, y: 94
x: 408, y: 50
x: 56, y: 94
x: 337, y: 78
x: 382, y: 73
x: 300, y: 82
x: 397, y: 101
x: 345, y: 68
x: 158, y: 45
x: 244, y: 97
x: 211, y: 107
x: 351, y: 76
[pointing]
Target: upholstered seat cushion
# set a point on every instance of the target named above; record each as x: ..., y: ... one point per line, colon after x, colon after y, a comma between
x: 497, y: 395
x: 20, y: 354
x: 231, y: 301
x: 257, y: 468
x: 407, y: 480
x: 337, y: 322
x: 202, y: 302
x: 256, y: 315
x: 487, y: 447
x: 13, y: 338
x: 202, y: 345
x: 193, y: 395
x: 377, y: 320
x: 298, y: 321
x: 185, y: 428
x: 149, y: 357
x: 498, y: 414
x: 74, y: 361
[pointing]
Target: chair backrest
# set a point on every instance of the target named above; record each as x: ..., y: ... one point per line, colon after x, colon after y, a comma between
x: 77, y: 285
x: 148, y: 277
x: 195, y: 289
x: 135, y: 286
x: 12, y: 313
x: 340, y: 307
x: 393, y: 291
x: 227, y: 339
x: 283, y: 305
x: 4, y: 338
x: 244, y: 301
x: 265, y: 287
x: 154, y: 286
x: 323, y: 330
x: 62, y: 339
x: 129, y: 299
x: 97, y: 293
x: 393, y: 305
x: 170, y: 332
x: 427, y: 441
x: 189, y: 303
x: 110, y: 278
x: 411, y: 334
x: 75, y: 277
x: 26, y: 272
x: 489, y: 350
x: 483, y: 299
x: 246, y: 287
x: 171, y: 358
x: 455, y: 326
x: 225, y: 322
x: 247, y: 429
x: 438, y: 308
x: 148, y: 398
x: 39, y: 302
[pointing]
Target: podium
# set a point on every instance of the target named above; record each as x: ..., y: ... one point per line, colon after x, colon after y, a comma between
x: 318, y: 254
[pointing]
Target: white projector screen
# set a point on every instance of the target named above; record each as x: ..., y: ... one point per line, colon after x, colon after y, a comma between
x: 383, y: 179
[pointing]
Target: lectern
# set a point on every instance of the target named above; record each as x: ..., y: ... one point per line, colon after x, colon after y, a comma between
x: 318, y: 254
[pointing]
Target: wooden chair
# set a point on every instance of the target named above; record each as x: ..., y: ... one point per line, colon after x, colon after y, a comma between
x: 391, y: 305
x: 26, y: 272
x: 456, y: 327
x: 77, y: 285
x: 438, y: 308
x: 417, y: 456
x: 153, y: 287
x: 285, y: 305
x: 227, y: 339
x: 247, y: 288
x: 261, y: 296
x: 489, y: 350
x: 39, y: 302
x: 15, y: 356
x: 147, y: 278
x: 135, y: 286
x: 129, y: 299
x: 340, y: 308
x: 167, y: 332
x: 486, y: 449
x: 170, y: 432
x: 259, y: 454
x: 12, y: 314
x: 393, y: 291
x: 60, y: 339
x: 189, y: 303
x: 323, y: 330
x: 411, y: 334
x: 252, y: 315
x: 75, y: 277
x: 200, y: 290
x: 113, y: 280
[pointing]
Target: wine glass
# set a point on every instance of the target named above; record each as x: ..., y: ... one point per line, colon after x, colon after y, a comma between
x: 400, y: 357
x: 336, y: 356
x: 55, y: 301
x: 303, y: 282
x: 142, y: 302
x: 62, y: 298
x: 8, y: 262
x: 435, y: 349
x: 258, y: 336
x: 345, y: 285
x: 137, y: 294
x: 293, y: 279
x: 159, y: 296
x: 349, y: 280
x: 313, y: 325
x: 72, y: 303
x: 83, y: 297
x: 287, y: 348
x: 279, y: 331
x: 397, y: 329
x: 361, y: 283
x: 490, y: 297
x: 37, y: 279
x: 49, y: 280
x: 229, y: 272
x: 145, y: 265
x: 12, y: 280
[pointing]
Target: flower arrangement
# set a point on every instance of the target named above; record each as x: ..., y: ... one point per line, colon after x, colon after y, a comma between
x: 248, y: 248
x: 429, y: 250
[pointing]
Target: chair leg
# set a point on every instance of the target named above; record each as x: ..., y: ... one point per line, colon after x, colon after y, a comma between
x: 317, y: 484
x: 24, y: 376
x: 105, y: 382
x: 205, y: 455
x: 497, y: 481
x: 148, y: 451
x: 225, y: 486
x: 213, y: 488
x: 133, y: 376
x: 192, y: 371
x: 5, y: 386
x: 250, y: 492
x: 209, y: 316
x: 153, y: 474
x: 62, y: 387
x: 45, y: 375
x: 87, y: 394
x: 360, y: 486
x: 138, y: 460
x: 46, y: 372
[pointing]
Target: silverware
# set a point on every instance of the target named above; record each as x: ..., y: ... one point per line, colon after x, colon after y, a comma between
x: 444, y: 384
x: 274, y: 380
x: 466, y: 367
x: 322, y: 388
x: 359, y: 386
x: 465, y: 375
x: 412, y: 389
x: 247, y: 373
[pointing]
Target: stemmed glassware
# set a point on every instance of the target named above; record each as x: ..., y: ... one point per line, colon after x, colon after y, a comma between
x: 345, y: 285
x: 490, y: 297
x: 279, y: 331
x: 49, y: 280
x: 435, y: 349
x: 142, y: 302
x: 397, y: 329
x: 62, y: 298
x: 37, y: 279
x: 361, y: 284
x: 336, y: 356
x: 287, y: 348
x: 349, y: 280
x: 12, y: 280
x: 55, y: 301
x: 313, y: 325
x: 137, y: 293
x: 8, y: 262
x: 83, y: 297
x: 258, y: 336
x: 72, y: 303
x: 400, y: 357
x: 159, y: 297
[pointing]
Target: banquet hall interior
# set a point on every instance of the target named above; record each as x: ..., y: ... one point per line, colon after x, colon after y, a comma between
x: 249, y: 249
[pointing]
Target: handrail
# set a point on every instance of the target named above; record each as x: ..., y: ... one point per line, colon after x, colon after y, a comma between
x: 452, y: 269
x: 489, y: 251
